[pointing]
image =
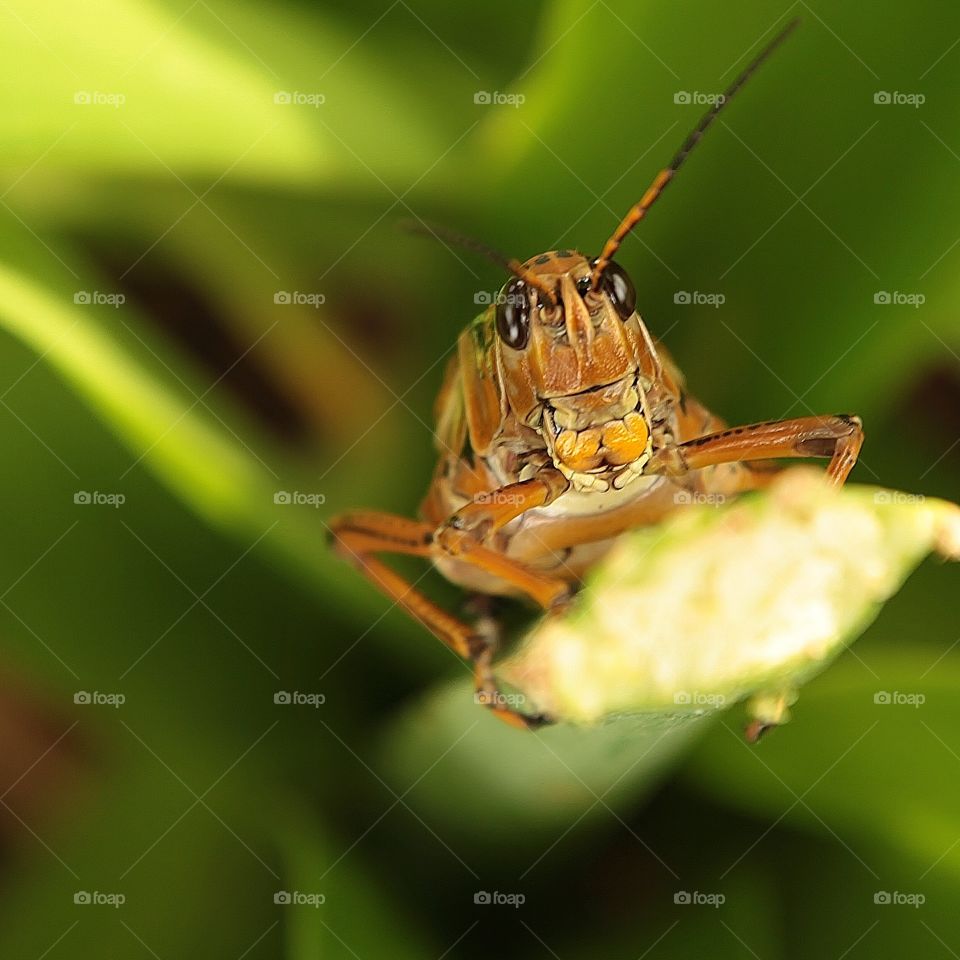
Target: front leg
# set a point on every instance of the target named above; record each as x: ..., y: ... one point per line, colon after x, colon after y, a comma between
x: 465, y: 536
x: 359, y: 537
x: 838, y: 437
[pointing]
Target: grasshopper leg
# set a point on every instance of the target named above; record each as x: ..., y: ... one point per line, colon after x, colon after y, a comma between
x: 465, y: 535
x: 837, y: 437
x: 358, y: 537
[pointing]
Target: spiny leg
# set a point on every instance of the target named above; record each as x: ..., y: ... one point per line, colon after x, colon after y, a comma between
x: 838, y: 437
x: 761, y: 473
x: 488, y: 624
x: 358, y: 536
x: 465, y: 534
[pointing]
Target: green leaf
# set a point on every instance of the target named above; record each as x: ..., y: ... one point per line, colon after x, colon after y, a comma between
x: 210, y: 469
x: 204, y: 92
x: 677, y: 622
x: 331, y: 899
x: 867, y: 733
x: 719, y: 602
x: 478, y: 776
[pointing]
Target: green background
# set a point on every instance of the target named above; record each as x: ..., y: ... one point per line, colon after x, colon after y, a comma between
x: 144, y: 155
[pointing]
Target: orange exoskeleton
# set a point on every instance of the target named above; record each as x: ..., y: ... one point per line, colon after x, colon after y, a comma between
x: 562, y: 423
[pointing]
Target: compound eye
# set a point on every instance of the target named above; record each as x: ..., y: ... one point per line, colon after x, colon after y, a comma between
x: 619, y: 288
x: 513, y: 314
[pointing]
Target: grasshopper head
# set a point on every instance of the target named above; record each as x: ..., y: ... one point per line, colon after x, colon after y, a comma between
x: 576, y: 361
x: 575, y: 357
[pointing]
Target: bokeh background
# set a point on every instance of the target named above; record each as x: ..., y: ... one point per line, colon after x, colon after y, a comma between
x: 205, y: 301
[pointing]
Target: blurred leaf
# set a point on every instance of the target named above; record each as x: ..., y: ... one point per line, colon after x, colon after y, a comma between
x: 215, y: 474
x: 867, y: 734
x: 739, y: 921
x: 125, y: 835
x: 212, y: 473
x: 472, y: 772
x: 132, y: 87
x: 351, y: 917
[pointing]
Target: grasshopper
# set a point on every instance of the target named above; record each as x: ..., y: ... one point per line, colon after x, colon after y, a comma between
x: 561, y: 423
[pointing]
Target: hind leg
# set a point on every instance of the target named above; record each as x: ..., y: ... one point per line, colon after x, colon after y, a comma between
x: 359, y: 537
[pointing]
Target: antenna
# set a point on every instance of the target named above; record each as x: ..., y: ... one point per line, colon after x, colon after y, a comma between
x: 639, y: 210
x: 510, y: 264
